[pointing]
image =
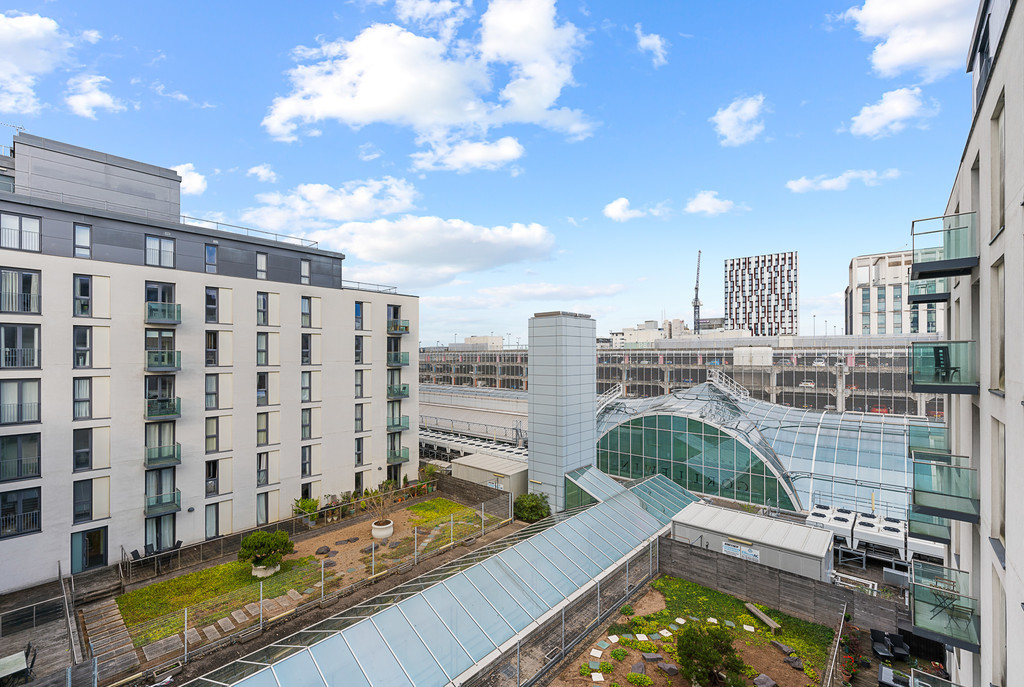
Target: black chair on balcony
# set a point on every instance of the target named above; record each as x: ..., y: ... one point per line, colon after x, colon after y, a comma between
x: 943, y: 370
x: 898, y: 647
x: 879, y: 645
x: 135, y: 555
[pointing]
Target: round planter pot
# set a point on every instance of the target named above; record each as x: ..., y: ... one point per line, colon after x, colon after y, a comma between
x: 265, y: 570
x: 383, y: 531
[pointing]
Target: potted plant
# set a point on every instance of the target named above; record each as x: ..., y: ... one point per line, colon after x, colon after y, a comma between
x: 380, y: 503
x: 429, y: 472
x: 265, y: 550
x: 308, y: 509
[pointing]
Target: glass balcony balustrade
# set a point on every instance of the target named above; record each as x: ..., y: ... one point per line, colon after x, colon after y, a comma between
x: 398, y: 326
x: 160, y: 504
x: 944, y: 246
x: 398, y: 455
x: 920, y: 679
x: 398, y: 391
x: 397, y: 359
x: 928, y: 527
x: 945, y: 486
x: 944, y: 367
x: 929, y: 290
x: 940, y: 607
x: 163, y: 408
x: 398, y: 424
x: 928, y: 436
x: 163, y: 361
x: 163, y: 456
x: 163, y: 313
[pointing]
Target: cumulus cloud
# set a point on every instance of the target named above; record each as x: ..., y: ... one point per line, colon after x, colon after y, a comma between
x: 740, y: 122
x: 33, y: 46
x: 545, y: 291
x: 192, y: 182
x: 85, y: 95
x: 652, y: 43
x: 929, y: 37
x: 840, y: 183
x: 891, y: 114
x: 445, y: 91
x: 315, y: 206
x: 708, y: 203
x: 468, y: 155
x: 442, y: 17
x: 92, y: 36
x: 620, y: 211
x: 263, y: 172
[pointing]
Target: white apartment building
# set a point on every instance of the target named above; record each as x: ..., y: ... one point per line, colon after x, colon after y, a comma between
x: 165, y: 383
x: 974, y: 255
x: 879, y: 301
x: 761, y: 294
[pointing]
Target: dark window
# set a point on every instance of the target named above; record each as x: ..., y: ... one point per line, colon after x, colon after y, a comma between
x: 19, y: 291
x: 83, y: 500
x: 212, y: 392
x: 306, y: 490
x: 83, y: 295
x: 307, y: 352
x: 211, y: 304
x: 306, y: 307
x: 159, y: 251
x: 359, y: 417
x: 83, y: 241
x: 359, y: 384
x: 261, y: 509
x: 82, y: 449
x: 306, y: 415
x: 81, y: 341
x: 359, y: 452
x: 359, y: 350
x: 18, y: 232
x: 261, y: 348
x: 262, y: 388
x: 211, y: 258
x: 19, y: 345
x: 19, y: 457
x: 262, y: 308
x: 211, y: 349
x: 88, y: 549
x: 307, y: 461
x: 212, y: 477
x: 19, y: 511
x: 359, y: 315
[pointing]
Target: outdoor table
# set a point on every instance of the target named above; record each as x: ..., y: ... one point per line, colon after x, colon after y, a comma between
x: 10, y: 665
x: 945, y: 592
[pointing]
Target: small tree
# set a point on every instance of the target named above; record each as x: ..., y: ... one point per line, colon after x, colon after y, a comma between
x: 265, y: 548
x: 531, y: 507
x: 381, y: 501
x: 705, y: 651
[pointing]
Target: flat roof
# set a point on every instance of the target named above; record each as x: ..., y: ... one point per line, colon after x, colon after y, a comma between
x: 758, y: 529
x: 495, y: 464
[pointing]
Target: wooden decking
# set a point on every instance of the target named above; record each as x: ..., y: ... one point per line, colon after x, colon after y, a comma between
x: 108, y: 639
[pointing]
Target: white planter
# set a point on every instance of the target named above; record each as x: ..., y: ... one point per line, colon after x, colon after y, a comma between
x: 265, y: 570
x: 383, y: 531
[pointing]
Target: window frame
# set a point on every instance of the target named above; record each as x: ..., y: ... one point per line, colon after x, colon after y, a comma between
x: 21, y: 496
x: 18, y: 402
x: 306, y: 311
x: 211, y: 266
x: 21, y: 459
x: 162, y: 251
x: 262, y: 310
x: 215, y: 393
x: 358, y: 350
x: 19, y: 296
x: 77, y: 400
x: 305, y: 349
x: 305, y: 386
x: 261, y: 272
x: 77, y: 300
x: 359, y: 384
x: 358, y: 451
x: 359, y: 417
x: 212, y: 309
x: 211, y: 440
x: 265, y: 399
x: 306, y: 423
x: 215, y: 509
x: 306, y: 461
x: 78, y: 499
x: 263, y: 353
x: 76, y: 350
x: 76, y: 452
x: 15, y: 354
x: 359, y: 316
x: 263, y: 434
x: 21, y: 233
x: 82, y: 250
x: 212, y: 466
x: 264, y: 458
x: 305, y: 271
x: 212, y: 354
x: 262, y: 509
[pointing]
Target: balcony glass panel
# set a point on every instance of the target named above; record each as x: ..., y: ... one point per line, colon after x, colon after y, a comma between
x: 397, y: 359
x: 931, y: 436
x: 163, y: 503
x: 398, y: 391
x: 163, y: 407
x: 928, y: 527
x: 940, y: 607
x: 945, y: 485
x: 944, y: 246
x: 398, y: 424
x: 398, y: 326
x: 163, y: 313
x: 945, y: 367
x: 160, y: 456
x: 163, y: 360
x: 398, y: 455
x: 929, y: 290
x: 919, y: 679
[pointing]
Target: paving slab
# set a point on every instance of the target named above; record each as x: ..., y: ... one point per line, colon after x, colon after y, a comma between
x: 193, y: 636
x: 626, y: 635
x: 240, y: 616
x: 603, y: 644
x: 749, y: 628
x: 226, y: 625
x: 163, y: 647
x: 694, y: 618
x: 729, y: 623
x: 597, y: 677
x: 614, y: 639
x: 593, y: 665
x: 271, y: 606
x: 253, y: 609
x: 665, y: 633
x: 641, y: 638
x: 284, y: 601
x: 210, y: 632
x: 295, y: 596
x: 673, y: 626
x: 713, y: 620
x: 680, y: 621
x: 596, y: 653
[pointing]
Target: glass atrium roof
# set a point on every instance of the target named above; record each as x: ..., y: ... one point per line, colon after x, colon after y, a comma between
x: 459, y: 616
x: 837, y: 457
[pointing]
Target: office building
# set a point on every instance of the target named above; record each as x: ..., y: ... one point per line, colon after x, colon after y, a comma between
x: 879, y: 301
x: 762, y: 294
x: 164, y: 383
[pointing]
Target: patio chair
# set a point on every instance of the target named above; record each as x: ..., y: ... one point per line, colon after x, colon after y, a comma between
x: 879, y: 646
x: 943, y: 370
x: 898, y: 647
x: 28, y: 650
x: 31, y: 663
x: 148, y: 550
x: 135, y: 555
x: 177, y: 545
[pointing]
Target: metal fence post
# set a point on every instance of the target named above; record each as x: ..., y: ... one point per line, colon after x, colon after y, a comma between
x: 518, y: 644
x: 650, y: 560
x: 186, y: 635
x: 453, y: 529
x: 415, y: 545
x: 261, y: 605
x: 322, y: 579
x: 482, y: 506
x: 599, y: 600
x: 69, y: 676
x: 373, y: 558
x: 95, y: 671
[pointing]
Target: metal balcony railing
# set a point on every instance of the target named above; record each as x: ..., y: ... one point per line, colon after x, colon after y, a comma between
x: 162, y: 361
x: 163, y: 408
x: 940, y: 607
x: 944, y: 246
x: 929, y: 290
x: 163, y: 456
x: 945, y: 486
x: 16, y: 301
x: 161, y: 504
x: 398, y: 455
x: 398, y: 424
x: 398, y: 391
x: 19, y: 468
x: 19, y: 523
x: 163, y: 313
x: 14, y: 413
x: 397, y: 359
x: 944, y: 367
x: 19, y: 357
x: 398, y: 326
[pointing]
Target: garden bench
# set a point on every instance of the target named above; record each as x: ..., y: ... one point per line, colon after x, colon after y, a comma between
x: 759, y: 614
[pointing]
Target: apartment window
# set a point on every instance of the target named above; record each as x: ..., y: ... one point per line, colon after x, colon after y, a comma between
x: 19, y: 457
x: 261, y: 509
x: 159, y: 533
x: 307, y: 349
x: 358, y: 488
x: 262, y: 388
x: 306, y: 415
x: 83, y: 241
x: 81, y: 449
x: 19, y: 232
x: 19, y: 512
x: 88, y: 549
x: 359, y: 417
x: 212, y: 439
x: 83, y: 500
x: 81, y: 342
x: 262, y: 308
x: 160, y: 435
x: 881, y: 323
x: 306, y: 490
x: 359, y: 384
x: 306, y: 389
x: 82, y: 397
x: 19, y: 291
x: 211, y: 304
x: 211, y: 258
x: 159, y: 387
x: 6, y: 183
x: 897, y: 297
x: 19, y: 345
x: 359, y: 451
x: 261, y: 348
x: 897, y: 322
x: 881, y: 298
x: 262, y: 429
x: 159, y: 251
x: 359, y: 315
x: 211, y: 349
x: 82, y: 295
x: 306, y: 308
x: 212, y: 520
x: 865, y: 300
x: 212, y: 392
x: 261, y: 265
x: 212, y: 477
x: 931, y: 318
x: 359, y: 350
x: 159, y: 292
x: 865, y: 324
x: 913, y: 320
x: 262, y: 469
x: 304, y: 272
x: 307, y: 461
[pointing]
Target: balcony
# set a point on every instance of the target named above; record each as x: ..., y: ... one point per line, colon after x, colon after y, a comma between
x: 397, y: 359
x: 921, y: 679
x: 945, y: 486
x: 19, y: 523
x: 163, y: 456
x: 398, y: 455
x: 929, y: 290
x: 940, y: 608
x: 163, y: 408
x: 16, y: 413
x: 928, y: 527
x: 21, y: 357
x: 928, y: 436
x: 398, y: 326
x: 398, y: 391
x: 163, y: 361
x: 398, y: 424
x: 944, y: 246
x: 163, y: 503
x: 163, y: 313
x: 944, y: 367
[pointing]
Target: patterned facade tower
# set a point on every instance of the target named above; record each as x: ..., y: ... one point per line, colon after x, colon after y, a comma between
x: 761, y: 294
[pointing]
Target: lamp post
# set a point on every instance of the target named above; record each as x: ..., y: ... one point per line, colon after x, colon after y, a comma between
x: 814, y: 325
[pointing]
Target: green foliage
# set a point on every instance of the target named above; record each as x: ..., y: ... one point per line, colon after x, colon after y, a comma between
x: 614, y: 684
x: 705, y: 651
x: 585, y: 670
x: 307, y: 507
x: 648, y: 646
x: 626, y: 610
x: 750, y: 671
x: 605, y: 667
x: 619, y: 628
x: 265, y: 548
x: 435, y: 509
x: 639, y: 679
x: 531, y: 507
x: 619, y: 654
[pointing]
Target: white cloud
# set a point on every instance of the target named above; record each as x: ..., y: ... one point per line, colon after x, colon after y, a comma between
x: 161, y: 90
x: 652, y: 43
x: 890, y: 114
x: 368, y: 151
x: 446, y: 92
x: 740, y: 121
x: 620, y: 211
x: 92, y: 36
x: 545, y: 291
x: 443, y: 17
x: 315, y: 206
x: 192, y: 182
x: 85, y: 95
x: 33, y: 46
x: 823, y: 183
x: 468, y: 155
x: 708, y: 203
x: 263, y: 172
x: 929, y: 37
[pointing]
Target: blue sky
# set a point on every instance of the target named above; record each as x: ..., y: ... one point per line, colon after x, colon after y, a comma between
x: 516, y: 156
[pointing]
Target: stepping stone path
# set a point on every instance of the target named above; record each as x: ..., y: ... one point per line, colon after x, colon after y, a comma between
x: 284, y: 601
x: 603, y: 645
x: 673, y: 626
x: 111, y: 642
x: 596, y: 653
x: 162, y: 647
x: 341, y: 543
x: 226, y: 625
x: 593, y: 665
x: 763, y: 680
x: 330, y: 564
x: 240, y: 616
x: 369, y: 549
x: 253, y: 609
x: 641, y: 638
x: 271, y: 606
x: 323, y: 550
x: 597, y: 677
x: 669, y: 668
x: 308, y: 591
x: 749, y: 628
x: 394, y: 544
x: 665, y: 633
x: 352, y: 570
x: 626, y: 635
x: 210, y: 632
x: 294, y: 595
x: 332, y: 554
x: 695, y: 619
x: 729, y: 623
x: 713, y: 620
x: 193, y: 636
x: 784, y: 648
x: 680, y: 621
x: 614, y: 639
x: 653, y: 658
x: 638, y: 668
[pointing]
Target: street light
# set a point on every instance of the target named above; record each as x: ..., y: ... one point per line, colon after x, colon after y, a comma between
x: 814, y: 325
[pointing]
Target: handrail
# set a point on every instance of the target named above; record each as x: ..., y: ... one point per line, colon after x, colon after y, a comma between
x: 367, y: 286
x: 827, y: 682
x: 607, y: 397
x: 68, y: 614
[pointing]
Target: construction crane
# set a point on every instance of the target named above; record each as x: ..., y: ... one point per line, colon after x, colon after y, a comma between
x: 696, y: 299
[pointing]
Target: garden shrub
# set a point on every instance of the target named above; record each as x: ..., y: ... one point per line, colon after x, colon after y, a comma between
x: 639, y: 679
x: 605, y: 667
x: 585, y: 670
x: 619, y: 654
x: 706, y: 651
x: 619, y: 629
x: 531, y: 507
x: 265, y: 548
x: 626, y: 610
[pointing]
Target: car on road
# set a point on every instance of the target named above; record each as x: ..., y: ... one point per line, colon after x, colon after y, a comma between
x: 807, y: 383
x: 818, y: 362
